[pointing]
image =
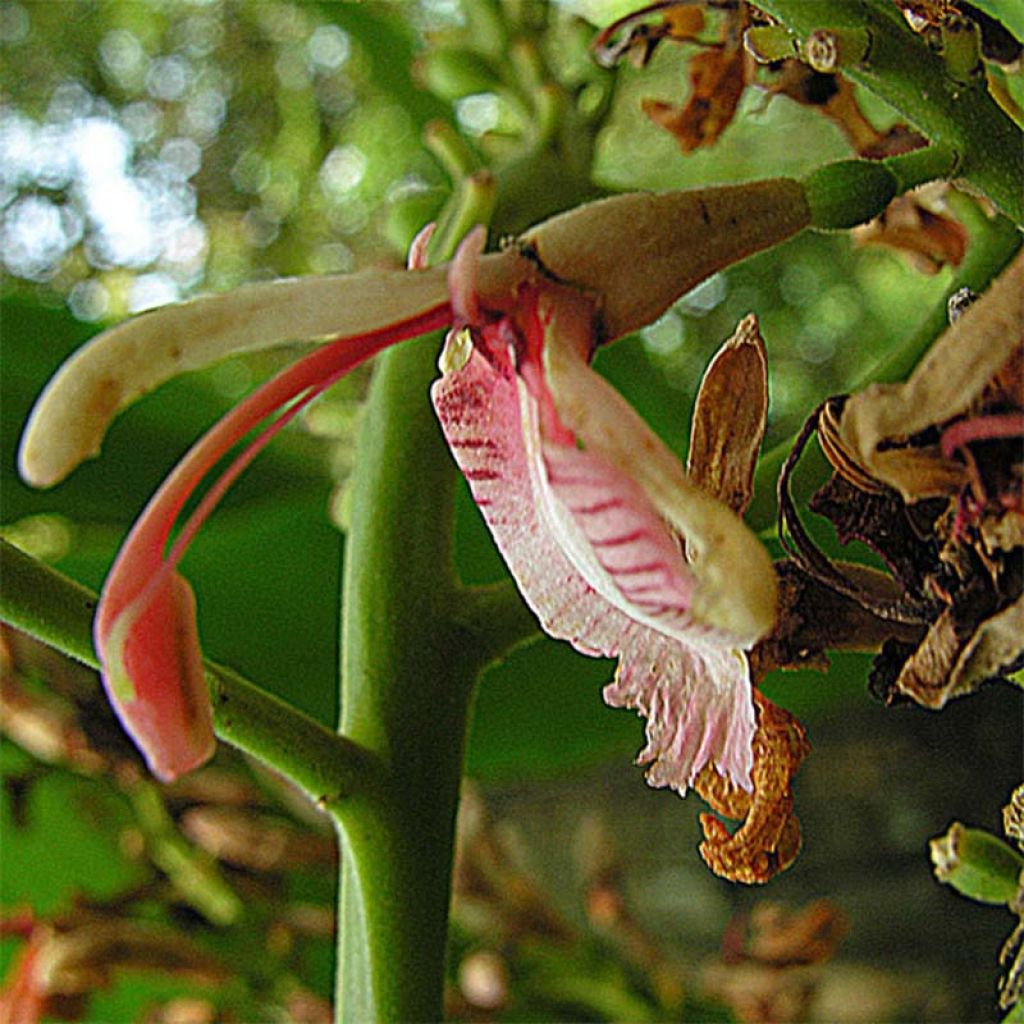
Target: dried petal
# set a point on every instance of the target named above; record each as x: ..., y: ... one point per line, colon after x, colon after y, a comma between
x: 769, y: 839
x: 717, y: 81
x: 959, y: 653
x: 930, y: 237
x: 876, y: 423
x: 729, y: 418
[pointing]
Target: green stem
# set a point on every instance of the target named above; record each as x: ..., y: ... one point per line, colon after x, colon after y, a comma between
x: 495, y: 619
x: 993, y: 244
x: 407, y: 681
x: 57, y: 611
x: 194, y: 873
x: 901, y: 69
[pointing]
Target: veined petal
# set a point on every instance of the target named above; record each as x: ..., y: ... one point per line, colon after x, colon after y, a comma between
x: 120, y: 365
x: 145, y: 630
x: 735, y: 587
x: 492, y: 423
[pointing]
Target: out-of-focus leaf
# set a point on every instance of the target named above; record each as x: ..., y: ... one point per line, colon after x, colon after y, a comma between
x: 1006, y: 12
x: 67, y: 844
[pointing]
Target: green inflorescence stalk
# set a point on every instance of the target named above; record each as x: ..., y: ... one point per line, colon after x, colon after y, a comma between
x: 901, y: 69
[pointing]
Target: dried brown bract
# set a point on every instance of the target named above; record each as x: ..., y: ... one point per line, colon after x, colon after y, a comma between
x: 768, y: 840
x: 917, y: 225
x: 717, y: 80
x: 636, y: 36
x: 718, y: 74
x: 728, y: 426
x: 930, y: 474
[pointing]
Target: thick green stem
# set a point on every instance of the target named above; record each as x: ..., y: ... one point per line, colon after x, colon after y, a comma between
x: 407, y: 681
x: 56, y: 610
x: 900, y: 68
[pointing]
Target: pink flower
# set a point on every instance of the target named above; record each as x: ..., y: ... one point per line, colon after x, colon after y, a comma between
x: 612, y: 545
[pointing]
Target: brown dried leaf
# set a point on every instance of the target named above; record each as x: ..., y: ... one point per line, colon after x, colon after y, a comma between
x: 45, y: 726
x: 836, y: 99
x: 636, y: 39
x: 254, y: 841
x: 931, y: 238
x: 814, y: 619
x: 783, y: 938
x: 769, y: 839
x: 717, y: 81
x: 878, y: 423
x: 958, y: 654
x: 729, y: 418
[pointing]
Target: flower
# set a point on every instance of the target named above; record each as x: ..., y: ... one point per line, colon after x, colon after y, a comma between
x: 599, y: 486
x: 615, y: 549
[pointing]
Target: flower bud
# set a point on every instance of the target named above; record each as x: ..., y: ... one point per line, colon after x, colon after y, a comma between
x: 977, y: 864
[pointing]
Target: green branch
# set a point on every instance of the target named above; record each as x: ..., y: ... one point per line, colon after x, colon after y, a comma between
x: 407, y: 683
x: 900, y: 68
x: 495, y: 619
x: 57, y: 611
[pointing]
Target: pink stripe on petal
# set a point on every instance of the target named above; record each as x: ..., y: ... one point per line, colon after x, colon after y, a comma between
x: 145, y: 629
x: 644, y: 557
x: 695, y: 696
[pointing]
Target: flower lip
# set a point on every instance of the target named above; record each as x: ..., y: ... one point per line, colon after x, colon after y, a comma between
x: 577, y: 492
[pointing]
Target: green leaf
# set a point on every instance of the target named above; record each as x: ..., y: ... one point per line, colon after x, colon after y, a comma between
x: 1008, y: 13
x: 66, y: 843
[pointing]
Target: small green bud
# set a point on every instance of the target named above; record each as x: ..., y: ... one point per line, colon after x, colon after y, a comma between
x: 977, y: 864
x: 451, y: 73
x: 961, y: 49
x: 847, y: 193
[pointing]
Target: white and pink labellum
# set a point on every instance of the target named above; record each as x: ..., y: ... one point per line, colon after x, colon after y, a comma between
x: 584, y: 528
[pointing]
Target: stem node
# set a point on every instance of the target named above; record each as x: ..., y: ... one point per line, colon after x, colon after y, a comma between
x: 829, y: 49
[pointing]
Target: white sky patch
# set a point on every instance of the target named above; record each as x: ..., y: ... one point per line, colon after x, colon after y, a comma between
x: 33, y: 238
x: 151, y: 290
x: 131, y: 213
x: 343, y: 170
x: 478, y: 113
x: 328, y: 48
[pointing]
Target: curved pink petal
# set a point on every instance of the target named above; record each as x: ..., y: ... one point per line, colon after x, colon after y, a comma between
x: 145, y: 630
x: 558, y: 516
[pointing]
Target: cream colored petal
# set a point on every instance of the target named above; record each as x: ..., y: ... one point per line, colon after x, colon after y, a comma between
x: 736, y: 586
x: 945, y: 383
x: 122, y: 364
